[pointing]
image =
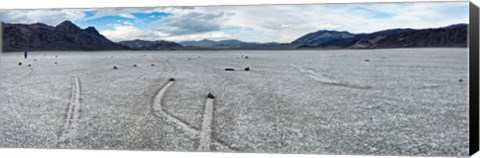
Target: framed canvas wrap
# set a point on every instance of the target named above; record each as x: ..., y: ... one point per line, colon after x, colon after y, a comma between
x: 395, y: 79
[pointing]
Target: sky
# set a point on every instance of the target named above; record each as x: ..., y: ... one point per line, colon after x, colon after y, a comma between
x: 264, y: 23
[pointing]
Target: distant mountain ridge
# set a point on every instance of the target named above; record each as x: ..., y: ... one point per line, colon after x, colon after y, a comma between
x: 322, y: 36
x: 231, y: 44
x: 151, y: 45
x: 65, y: 36
x: 68, y: 36
x: 450, y: 36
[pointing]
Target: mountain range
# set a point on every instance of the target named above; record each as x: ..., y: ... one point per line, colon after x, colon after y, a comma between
x: 231, y: 44
x: 151, y: 45
x: 68, y: 36
x: 65, y: 36
x: 450, y: 36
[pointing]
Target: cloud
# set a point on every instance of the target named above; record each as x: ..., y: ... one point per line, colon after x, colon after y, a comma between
x: 121, y: 32
x: 128, y: 32
x: 282, y: 23
x: 285, y: 23
x: 124, y: 22
x: 370, y: 13
x: 50, y: 17
x: 120, y: 12
x: 193, y: 22
x: 213, y: 35
x: 328, y: 27
x: 265, y: 23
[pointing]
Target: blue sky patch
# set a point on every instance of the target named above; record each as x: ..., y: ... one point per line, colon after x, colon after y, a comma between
x: 151, y: 16
x: 106, y: 22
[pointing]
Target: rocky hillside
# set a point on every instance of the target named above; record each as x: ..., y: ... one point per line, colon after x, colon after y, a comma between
x: 65, y: 36
x: 450, y: 36
x: 322, y: 36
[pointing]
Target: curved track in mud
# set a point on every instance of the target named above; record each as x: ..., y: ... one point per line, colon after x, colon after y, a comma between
x: 206, y: 130
x: 206, y: 138
x: 24, y: 77
x: 72, y: 113
x: 324, y: 80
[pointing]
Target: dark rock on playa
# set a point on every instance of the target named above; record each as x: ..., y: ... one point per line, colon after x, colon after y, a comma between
x: 210, y: 95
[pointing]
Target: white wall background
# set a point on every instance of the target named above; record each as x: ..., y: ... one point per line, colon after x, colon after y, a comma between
x: 28, y: 4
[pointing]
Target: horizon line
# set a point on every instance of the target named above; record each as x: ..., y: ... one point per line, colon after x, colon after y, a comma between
x: 197, y: 40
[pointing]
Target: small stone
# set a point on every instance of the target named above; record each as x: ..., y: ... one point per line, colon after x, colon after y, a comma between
x: 115, y: 67
x: 247, y: 69
x: 20, y: 63
x: 152, y: 64
x: 171, y: 79
x: 210, y: 95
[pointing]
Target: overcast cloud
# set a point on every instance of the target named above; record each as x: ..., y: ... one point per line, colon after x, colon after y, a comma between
x: 278, y: 23
x: 193, y: 22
